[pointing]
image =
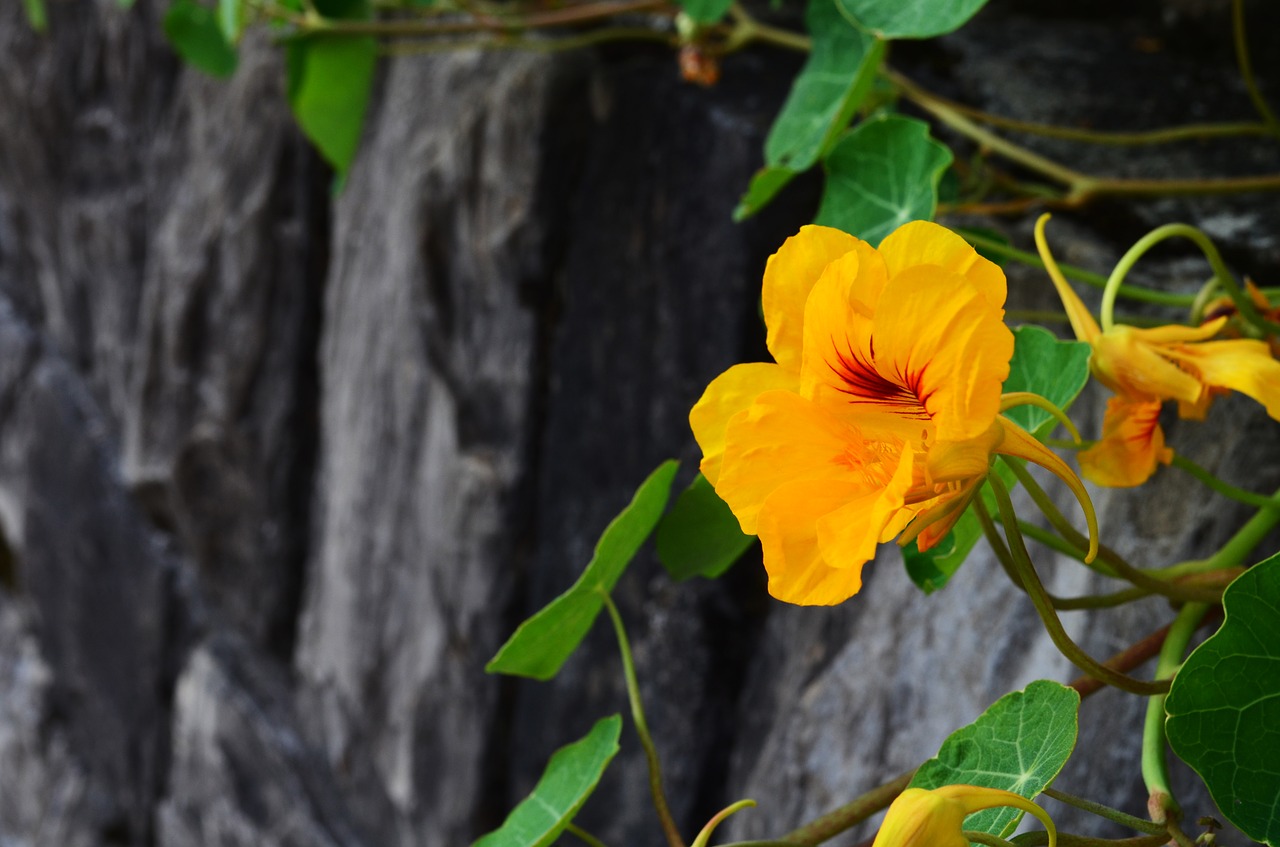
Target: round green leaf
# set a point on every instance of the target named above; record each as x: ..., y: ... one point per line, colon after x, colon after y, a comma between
x: 1041, y: 364
x: 330, y: 77
x: 194, y: 32
x: 1224, y: 706
x: 1019, y: 744
x: 881, y: 175
x: 911, y: 18
x: 568, y: 780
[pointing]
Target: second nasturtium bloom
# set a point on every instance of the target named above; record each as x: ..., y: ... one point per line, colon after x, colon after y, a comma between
x: 881, y: 412
x: 923, y: 818
x: 1146, y: 368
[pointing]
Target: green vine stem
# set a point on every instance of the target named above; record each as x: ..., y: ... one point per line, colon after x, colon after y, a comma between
x: 1106, y: 812
x: 1155, y: 770
x: 1224, y: 276
x: 1260, y: 501
x: 642, y: 727
x: 1246, y: 68
x: 1133, y: 292
x: 851, y: 814
x: 1117, y: 566
x: 1040, y: 599
x: 1066, y: 839
x: 583, y: 836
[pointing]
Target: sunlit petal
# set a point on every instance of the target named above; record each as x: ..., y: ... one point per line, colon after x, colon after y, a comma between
x: 927, y: 243
x: 1127, y: 366
x: 1241, y: 365
x: 1131, y: 446
x: 848, y: 536
x: 1176, y: 333
x: 1082, y: 322
x: 783, y: 438
x: 790, y: 275
x: 789, y: 538
x: 731, y: 392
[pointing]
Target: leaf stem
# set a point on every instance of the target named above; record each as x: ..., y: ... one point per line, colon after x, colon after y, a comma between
x: 583, y: 836
x: 1040, y: 599
x: 642, y: 727
x: 1205, y: 476
x: 850, y: 814
x: 1246, y: 68
x: 1098, y: 809
x: 1155, y: 770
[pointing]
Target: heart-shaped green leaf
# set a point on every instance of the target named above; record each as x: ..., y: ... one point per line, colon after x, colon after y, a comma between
x: 1224, y: 706
x: 568, y: 780
x: 542, y: 644
x: 911, y: 18
x: 194, y: 32
x: 700, y: 536
x: 881, y: 175
x: 1019, y: 744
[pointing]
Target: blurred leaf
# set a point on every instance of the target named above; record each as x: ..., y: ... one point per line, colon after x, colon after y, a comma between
x: 705, y: 11
x: 542, y: 644
x: 568, y: 780
x: 229, y: 19
x: 911, y: 18
x: 1056, y: 370
x: 1019, y: 744
x: 1224, y: 706
x: 329, y: 80
x: 881, y: 175
x: 837, y: 75
x: 193, y: 31
x: 766, y: 183
x: 700, y: 536
x: 37, y: 16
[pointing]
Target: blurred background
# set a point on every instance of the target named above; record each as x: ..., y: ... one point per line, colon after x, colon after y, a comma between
x: 281, y: 467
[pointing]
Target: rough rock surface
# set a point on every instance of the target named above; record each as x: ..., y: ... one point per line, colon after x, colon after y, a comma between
x: 279, y: 470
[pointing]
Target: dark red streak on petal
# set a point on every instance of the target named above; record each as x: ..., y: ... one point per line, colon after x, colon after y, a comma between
x: 863, y: 382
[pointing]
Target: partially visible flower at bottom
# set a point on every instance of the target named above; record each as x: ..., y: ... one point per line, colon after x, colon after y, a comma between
x: 935, y: 818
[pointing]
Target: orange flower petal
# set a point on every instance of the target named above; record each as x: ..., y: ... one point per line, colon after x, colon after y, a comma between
x: 789, y: 276
x: 848, y: 536
x: 1241, y: 365
x: 1082, y: 322
x: 784, y: 438
x: 731, y: 392
x: 1132, y: 444
x: 926, y: 243
x: 1018, y: 443
x: 1177, y: 333
x: 1126, y: 365
x: 798, y: 573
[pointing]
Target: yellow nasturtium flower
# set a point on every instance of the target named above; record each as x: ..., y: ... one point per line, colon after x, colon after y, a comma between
x: 922, y: 818
x: 1145, y: 368
x: 880, y: 413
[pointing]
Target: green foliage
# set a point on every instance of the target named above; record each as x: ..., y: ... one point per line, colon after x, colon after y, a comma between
x: 1019, y: 744
x: 829, y: 88
x: 705, y: 11
x: 911, y: 18
x: 881, y: 175
x: 765, y: 184
x: 194, y: 32
x: 330, y: 77
x: 568, y: 780
x: 700, y: 536
x: 37, y: 16
x: 231, y: 19
x: 1224, y: 707
x: 542, y: 644
x: 1041, y: 364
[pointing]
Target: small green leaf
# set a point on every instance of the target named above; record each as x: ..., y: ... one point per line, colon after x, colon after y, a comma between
x: 700, y: 536
x: 705, y: 11
x: 911, y: 18
x: 330, y: 77
x: 570, y: 776
x: 834, y: 80
x: 1224, y: 706
x: 766, y: 183
x: 1019, y: 744
x: 881, y: 175
x: 37, y: 16
x: 193, y: 31
x: 230, y: 20
x: 542, y: 644
x: 1041, y: 364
